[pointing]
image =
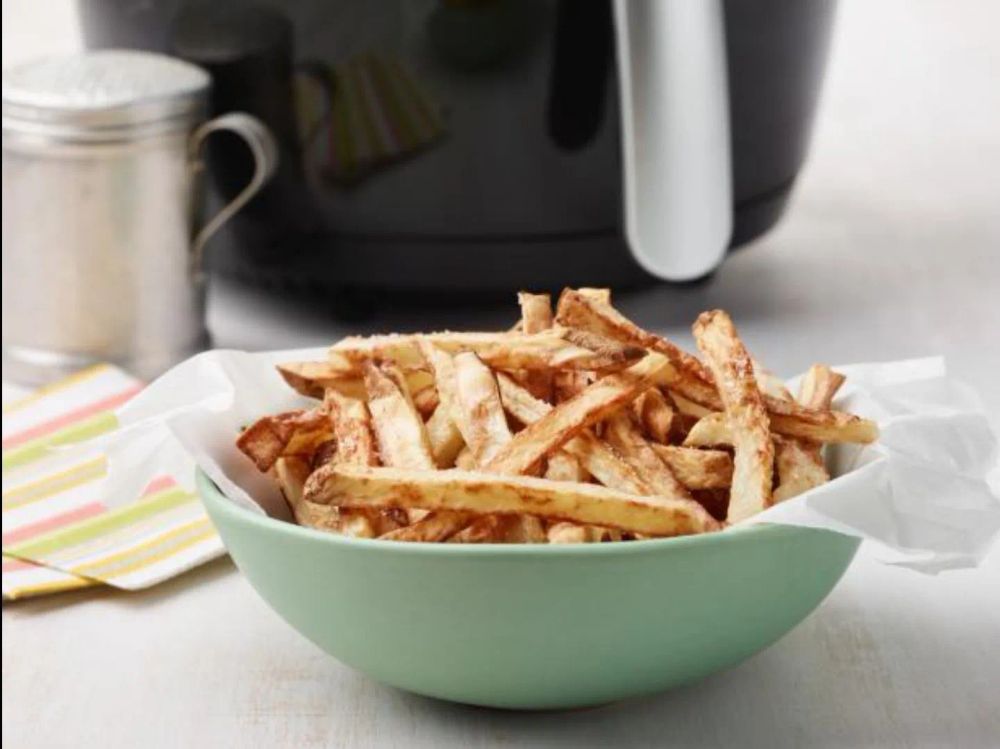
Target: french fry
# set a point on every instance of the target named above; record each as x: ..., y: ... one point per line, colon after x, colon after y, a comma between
x: 819, y: 386
x: 313, y: 379
x: 483, y: 493
x: 622, y: 434
x: 485, y: 529
x: 568, y: 419
x: 655, y: 414
x: 713, y: 429
x: 440, y: 437
x: 572, y: 533
x: 501, y: 529
x: 426, y: 400
x: 799, y: 463
x: 799, y: 469
x: 536, y: 316
x: 698, y: 469
x: 536, y: 312
x: 576, y: 310
x: 446, y: 441
x: 483, y: 424
x: 753, y: 465
x: 352, y: 429
x: 601, y: 296
x: 402, y: 349
x: 560, y: 349
x: 538, y: 382
x: 290, y: 433
x: 769, y: 383
x: 561, y: 466
x: 688, y: 407
x: 593, y: 454
x: 695, y: 383
x: 568, y: 383
x: 402, y: 437
x: 465, y: 460
x: 291, y: 474
x: 430, y: 527
x: 709, y: 431
x: 442, y: 365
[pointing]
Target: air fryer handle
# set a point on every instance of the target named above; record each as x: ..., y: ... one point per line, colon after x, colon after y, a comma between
x: 675, y: 134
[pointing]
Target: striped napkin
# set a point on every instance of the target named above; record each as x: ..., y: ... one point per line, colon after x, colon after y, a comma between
x: 60, y: 532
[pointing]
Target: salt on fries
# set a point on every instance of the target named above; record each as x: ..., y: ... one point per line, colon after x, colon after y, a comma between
x: 574, y: 426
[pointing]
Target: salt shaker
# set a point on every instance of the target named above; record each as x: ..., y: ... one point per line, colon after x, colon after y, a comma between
x: 102, y: 204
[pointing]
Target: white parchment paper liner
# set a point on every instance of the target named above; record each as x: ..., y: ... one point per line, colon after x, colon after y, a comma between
x: 923, y: 494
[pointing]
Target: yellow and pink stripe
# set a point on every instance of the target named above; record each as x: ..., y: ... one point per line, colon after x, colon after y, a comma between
x: 59, y: 531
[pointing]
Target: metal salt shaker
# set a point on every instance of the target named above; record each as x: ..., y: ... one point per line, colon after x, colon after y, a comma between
x: 102, y: 196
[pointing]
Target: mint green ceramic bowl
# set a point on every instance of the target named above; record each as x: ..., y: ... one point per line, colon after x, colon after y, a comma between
x: 535, y: 626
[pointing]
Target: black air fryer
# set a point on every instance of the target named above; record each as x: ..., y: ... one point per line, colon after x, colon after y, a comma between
x: 499, y: 144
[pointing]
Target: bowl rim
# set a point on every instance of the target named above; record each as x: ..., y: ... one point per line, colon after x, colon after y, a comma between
x: 210, y: 493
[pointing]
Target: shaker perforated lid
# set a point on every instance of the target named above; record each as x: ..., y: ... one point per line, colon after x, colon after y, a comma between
x: 105, y: 90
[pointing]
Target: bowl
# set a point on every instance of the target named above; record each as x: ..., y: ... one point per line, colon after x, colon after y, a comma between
x: 535, y: 626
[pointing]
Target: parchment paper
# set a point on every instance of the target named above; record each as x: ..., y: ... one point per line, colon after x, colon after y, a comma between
x: 923, y: 494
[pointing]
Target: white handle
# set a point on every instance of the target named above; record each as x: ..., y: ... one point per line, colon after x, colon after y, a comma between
x: 265, y: 156
x: 675, y: 134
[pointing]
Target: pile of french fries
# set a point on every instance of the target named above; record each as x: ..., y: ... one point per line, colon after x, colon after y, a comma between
x: 574, y: 426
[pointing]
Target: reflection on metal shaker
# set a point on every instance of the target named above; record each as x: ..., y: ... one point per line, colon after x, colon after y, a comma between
x: 102, y: 199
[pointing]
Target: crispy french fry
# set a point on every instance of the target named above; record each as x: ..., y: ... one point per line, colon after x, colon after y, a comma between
x: 568, y: 383
x: 507, y: 350
x: 291, y: 433
x: 622, y: 421
x: 655, y: 414
x: 601, y: 296
x: 466, y: 491
x: 560, y: 349
x: 465, y: 460
x: 349, y: 353
x: 799, y: 469
x: 485, y: 529
x: 819, y: 386
x: 573, y: 533
x: 562, y: 466
x: 713, y: 429
x: 769, y: 383
x: 576, y: 310
x: 799, y: 463
x: 402, y: 438
x: 688, y: 407
x: 819, y: 426
x: 536, y: 312
x: 568, y: 419
x: 483, y: 424
x: 709, y: 431
x: 312, y: 379
x: 291, y: 474
x: 538, y: 382
x: 622, y: 434
x: 446, y: 441
x: 352, y: 429
x: 593, y: 454
x: 698, y: 469
x: 431, y: 527
x: 694, y: 382
x: 426, y: 400
x: 753, y: 465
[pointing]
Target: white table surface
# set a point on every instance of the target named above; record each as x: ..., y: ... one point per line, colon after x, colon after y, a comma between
x: 891, y: 249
